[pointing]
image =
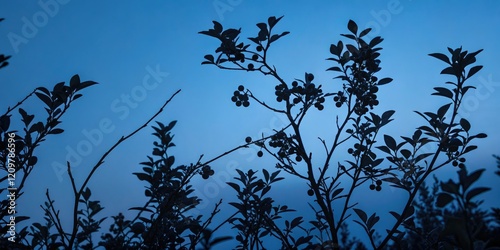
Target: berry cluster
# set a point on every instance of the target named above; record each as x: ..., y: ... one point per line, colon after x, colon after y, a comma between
x: 358, y: 149
x: 206, y: 171
x: 282, y: 92
x: 367, y: 59
x: 240, y: 97
x: 307, y: 93
x: 363, y: 84
x: 339, y: 99
x: 376, y: 186
x: 365, y: 93
x: 285, y: 144
x: 459, y: 162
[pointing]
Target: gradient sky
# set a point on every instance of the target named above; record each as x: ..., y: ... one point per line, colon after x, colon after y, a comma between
x: 118, y: 43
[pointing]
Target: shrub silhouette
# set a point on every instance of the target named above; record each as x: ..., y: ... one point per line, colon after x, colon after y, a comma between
x: 357, y: 65
x: 373, y: 161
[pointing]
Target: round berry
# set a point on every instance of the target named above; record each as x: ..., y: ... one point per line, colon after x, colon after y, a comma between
x: 238, y: 103
x: 260, y: 154
x: 236, y: 93
x: 246, y: 104
x: 251, y: 66
x: 372, y: 186
x: 310, y: 77
x: 298, y: 158
x: 295, y: 83
x: 461, y: 165
x: 338, y: 104
x: 241, y: 88
x: 310, y: 192
x: 259, y: 48
x: 248, y: 139
x: 204, y: 176
x: 320, y: 107
x: 379, y: 182
x: 211, y: 172
x: 378, y: 188
x: 234, y: 98
x: 296, y: 100
x: 350, y: 150
x: 138, y: 228
x: 462, y: 159
x: 255, y: 57
x: 454, y: 163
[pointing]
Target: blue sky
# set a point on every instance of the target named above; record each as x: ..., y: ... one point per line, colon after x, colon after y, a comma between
x: 119, y: 43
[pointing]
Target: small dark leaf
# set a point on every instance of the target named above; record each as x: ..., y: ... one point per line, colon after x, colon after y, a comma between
x: 218, y: 240
x: 210, y: 58
x: 443, y: 92
x: 385, y: 149
x: 474, y: 70
x: 372, y: 220
x: 336, y: 192
x: 384, y: 81
x: 481, y: 135
x: 295, y: 222
x: 387, y: 115
x: 352, y: 26
x: 361, y: 214
x: 334, y: 69
x: 396, y: 215
x: 422, y: 156
x: 469, y: 148
x: 365, y: 32
x: 406, y: 153
x: 217, y: 27
x: 349, y: 36
x: 375, y: 41
x: 448, y: 71
x: 475, y: 192
x: 143, y: 177
x: 352, y: 49
x: 56, y: 131
x: 86, y: 194
x: 441, y: 57
x: 46, y: 99
x: 85, y: 85
x: 450, y: 187
x: 234, y: 186
x: 443, y: 109
x: 75, y: 81
x: 470, y: 179
x: 5, y: 122
x: 262, y: 27
x: 390, y: 142
x: 465, y: 124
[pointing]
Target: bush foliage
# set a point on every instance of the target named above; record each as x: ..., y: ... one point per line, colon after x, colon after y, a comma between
x: 445, y: 215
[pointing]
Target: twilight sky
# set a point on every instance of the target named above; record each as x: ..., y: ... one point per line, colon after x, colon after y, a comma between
x: 140, y: 53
